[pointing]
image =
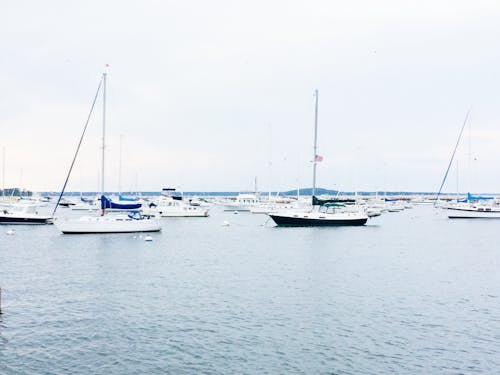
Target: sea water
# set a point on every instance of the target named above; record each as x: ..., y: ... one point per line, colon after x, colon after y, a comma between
x: 411, y: 292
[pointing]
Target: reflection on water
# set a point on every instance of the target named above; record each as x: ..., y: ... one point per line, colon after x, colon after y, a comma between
x: 412, y: 292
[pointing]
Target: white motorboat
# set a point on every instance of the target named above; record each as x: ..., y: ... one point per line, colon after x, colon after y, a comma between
x: 172, y: 204
x: 169, y: 207
x: 243, y: 202
x: 23, y: 214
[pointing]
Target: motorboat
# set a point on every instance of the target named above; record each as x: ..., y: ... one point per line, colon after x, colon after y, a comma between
x: 172, y: 204
x: 243, y: 202
x: 23, y: 214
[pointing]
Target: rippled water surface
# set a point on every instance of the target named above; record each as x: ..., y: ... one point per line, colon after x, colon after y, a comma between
x: 411, y: 292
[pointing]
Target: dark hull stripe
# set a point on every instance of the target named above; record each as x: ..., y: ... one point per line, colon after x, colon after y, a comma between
x: 20, y: 220
x: 284, y: 221
x: 473, y: 217
x: 135, y: 231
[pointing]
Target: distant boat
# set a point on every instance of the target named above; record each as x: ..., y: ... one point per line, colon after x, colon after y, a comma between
x: 322, y: 213
x: 172, y: 204
x: 243, y: 202
x: 114, y: 223
x: 23, y: 214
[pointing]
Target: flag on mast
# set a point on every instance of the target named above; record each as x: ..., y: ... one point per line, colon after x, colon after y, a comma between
x: 318, y: 158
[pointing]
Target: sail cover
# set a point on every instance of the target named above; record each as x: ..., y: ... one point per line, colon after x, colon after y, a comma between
x: 107, y: 203
x: 471, y: 197
x: 320, y: 202
x: 128, y: 199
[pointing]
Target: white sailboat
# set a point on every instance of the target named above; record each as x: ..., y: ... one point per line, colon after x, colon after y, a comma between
x: 474, y: 207
x: 322, y: 213
x: 107, y: 223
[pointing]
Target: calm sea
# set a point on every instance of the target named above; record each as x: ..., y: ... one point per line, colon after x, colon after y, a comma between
x: 412, y: 292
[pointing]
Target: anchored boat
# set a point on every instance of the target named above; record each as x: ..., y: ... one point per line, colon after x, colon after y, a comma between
x: 322, y: 212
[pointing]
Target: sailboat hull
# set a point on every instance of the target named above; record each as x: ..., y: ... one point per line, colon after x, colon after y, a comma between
x: 463, y: 213
x: 108, y: 224
x: 304, y: 221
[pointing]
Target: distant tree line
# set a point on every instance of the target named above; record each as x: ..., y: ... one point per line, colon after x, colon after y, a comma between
x: 15, y: 192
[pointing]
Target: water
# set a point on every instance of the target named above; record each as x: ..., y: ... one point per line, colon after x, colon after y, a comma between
x: 412, y: 292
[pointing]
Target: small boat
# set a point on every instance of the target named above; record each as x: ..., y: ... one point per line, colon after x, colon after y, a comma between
x: 23, y: 214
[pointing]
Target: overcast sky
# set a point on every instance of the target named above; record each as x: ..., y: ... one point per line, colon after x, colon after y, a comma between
x: 207, y: 95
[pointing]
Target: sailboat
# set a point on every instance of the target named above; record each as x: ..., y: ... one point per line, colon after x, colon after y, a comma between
x: 323, y: 212
x: 472, y: 207
x: 106, y: 223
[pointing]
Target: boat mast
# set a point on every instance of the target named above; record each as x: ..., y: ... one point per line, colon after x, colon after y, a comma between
x: 3, y: 171
x: 315, y: 142
x: 103, y: 129
x: 120, y: 168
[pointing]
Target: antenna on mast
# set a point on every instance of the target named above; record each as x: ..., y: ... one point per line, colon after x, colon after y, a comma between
x: 315, y: 156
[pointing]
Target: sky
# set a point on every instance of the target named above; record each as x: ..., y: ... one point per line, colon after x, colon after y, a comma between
x: 209, y: 95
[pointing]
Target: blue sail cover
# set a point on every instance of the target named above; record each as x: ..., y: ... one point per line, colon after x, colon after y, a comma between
x: 107, y: 203
x: 471, y: 197
x: 124, y: 198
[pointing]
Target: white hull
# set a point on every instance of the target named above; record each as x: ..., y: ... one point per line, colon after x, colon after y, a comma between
x: 107, y: 224
x: 472, y: 213
x: 237, y: 207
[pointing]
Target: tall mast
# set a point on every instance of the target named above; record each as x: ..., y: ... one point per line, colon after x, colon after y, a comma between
x: 3, y: 171
x: 315, y: 142
x: 103, y: 129
x: 120, y: 168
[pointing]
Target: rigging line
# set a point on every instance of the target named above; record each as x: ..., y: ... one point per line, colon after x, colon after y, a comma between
x: 453, y: 154
x: 77, y: 149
